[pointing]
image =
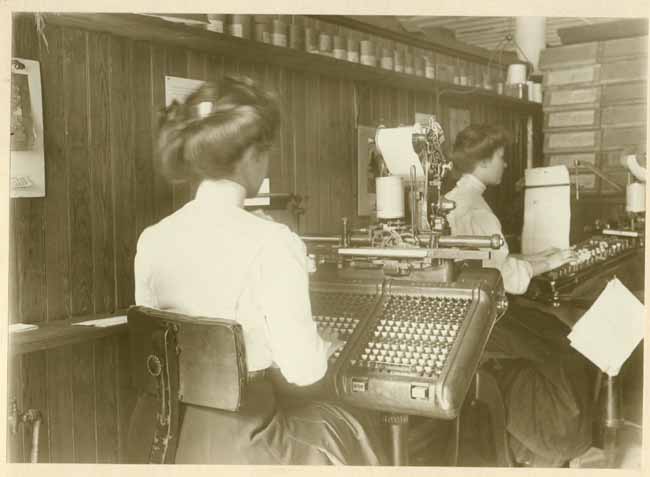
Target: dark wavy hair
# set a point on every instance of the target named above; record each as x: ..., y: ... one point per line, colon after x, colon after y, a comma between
x: 476, y: 143
x: 205, y: 136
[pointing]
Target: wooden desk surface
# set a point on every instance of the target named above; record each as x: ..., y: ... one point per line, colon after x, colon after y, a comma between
x: 62, y: 333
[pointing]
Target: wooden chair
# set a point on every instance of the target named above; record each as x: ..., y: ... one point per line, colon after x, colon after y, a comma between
x: 184, y: 360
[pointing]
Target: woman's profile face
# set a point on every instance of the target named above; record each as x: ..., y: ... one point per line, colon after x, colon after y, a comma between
x: 494, y: 167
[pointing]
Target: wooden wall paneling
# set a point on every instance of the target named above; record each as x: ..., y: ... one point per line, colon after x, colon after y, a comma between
x: 126, y: 395
x: 196, y: 69
x: 230, y: 66
x: 77, y: 125
x: 29, y: 218
x: 102, y: 173
x: 281, y: 180
x: 298, y: 112
x: 312, y: 152
x: 15, y: 442
x: 285, y: 82
x: 324, y: 158
x: 36, y: 396
x: 145, y: 214
x: 335, y: 157
x: 364, y: 104
x: 123, y: 160
x: 177, y: 66
x: 60, y: 404
x: 162, y: 189
x: 12, y: 267
x: 83, y: 397
x: 214, y: 68
x: 348, y: 151
x: 401, y: 107
x: 57, y: 228
x: 106, y: 392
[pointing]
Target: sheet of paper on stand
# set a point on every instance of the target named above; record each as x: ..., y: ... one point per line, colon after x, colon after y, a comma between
x: 265, y: 188
x: 21, y: 327
x: 547, y: 209
x: 610, y: 330
x: 104, y: 322
x: 396, y: 148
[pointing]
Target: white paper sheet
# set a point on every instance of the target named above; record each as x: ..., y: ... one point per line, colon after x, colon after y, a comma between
x: 179, y: 88
x: 547, y: 209
x: 396, y: 147
x: 21, y: 327
x: 610, y: 330
x: 104, y: 322
x: 265, y: 188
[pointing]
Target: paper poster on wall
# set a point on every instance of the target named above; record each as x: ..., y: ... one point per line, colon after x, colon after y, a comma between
x: 367, y: 171
x: 179, y: 88
x: 27, y: 166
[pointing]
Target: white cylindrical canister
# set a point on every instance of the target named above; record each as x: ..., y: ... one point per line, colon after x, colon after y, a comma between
x: 516, y: 73
x: 390, y: 197
x: 634, y: 198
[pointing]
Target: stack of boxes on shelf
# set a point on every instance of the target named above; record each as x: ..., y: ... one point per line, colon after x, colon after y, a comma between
x: 595, y: 108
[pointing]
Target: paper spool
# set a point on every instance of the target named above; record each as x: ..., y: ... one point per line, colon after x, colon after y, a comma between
x: 634, y: 198
x: 279, y: 33
x: 516, y: 73
x: 537, y: 92
x: 390, y: 197
x: 368, y: 53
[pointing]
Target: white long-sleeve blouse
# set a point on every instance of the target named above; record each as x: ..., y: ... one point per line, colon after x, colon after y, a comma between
x: 211, y: 258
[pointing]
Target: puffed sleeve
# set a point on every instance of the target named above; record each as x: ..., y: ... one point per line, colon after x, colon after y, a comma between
x: 144, y: 294
x: 516, y: 273
x: 296, y: 346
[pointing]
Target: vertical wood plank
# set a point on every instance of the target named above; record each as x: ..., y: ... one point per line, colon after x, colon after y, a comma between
x: 83, y: 389
x: 214, y: 68
x: 106, y: 400
x: 312, y: 138
x: 162, y: 190
x: 15, y: 442
x: 60, y: 404
x: 57, y: 226
x: 29, y: 214
x: 177, y: 66
x: 122, y: 158
x: 196, y: 66
x: 12, y: 266
x: 286, y: 94
x: 299, y: 140
x: 144, y: 174
x: 126, y: 395
x: 102, y: 173
x: 77, y: 125
x: 35, y: 396
x: 276, y: 174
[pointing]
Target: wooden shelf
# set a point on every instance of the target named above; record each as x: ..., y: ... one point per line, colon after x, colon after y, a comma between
x: 143, y: 27
x: 61, y: 333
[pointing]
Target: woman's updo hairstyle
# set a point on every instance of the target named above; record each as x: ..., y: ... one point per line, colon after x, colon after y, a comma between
x: 477, y: 143
x: 205, y: 136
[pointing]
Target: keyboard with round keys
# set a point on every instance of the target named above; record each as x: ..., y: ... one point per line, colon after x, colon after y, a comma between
x: 413, y: 335
x: 340, y: 312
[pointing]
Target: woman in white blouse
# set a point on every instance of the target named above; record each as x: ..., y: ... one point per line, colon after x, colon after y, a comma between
x: 546, y: 386
x: 213, y: 258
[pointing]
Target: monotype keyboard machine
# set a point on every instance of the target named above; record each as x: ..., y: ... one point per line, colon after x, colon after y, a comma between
x: 411, y: 303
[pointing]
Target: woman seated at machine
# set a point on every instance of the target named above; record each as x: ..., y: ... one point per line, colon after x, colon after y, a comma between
x: 212, y: 258
x: 546, y: 386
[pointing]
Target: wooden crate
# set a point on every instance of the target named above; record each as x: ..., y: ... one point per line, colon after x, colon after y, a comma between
x: 624, y: 115
x: 624, y: 92
x: 578, y: 118
x: 569, y: 56
x: 623, y: 71
x: 613, y: 138
x: 570, y: 98
x: 612, y: 50
x: 574, y: 141
x: 577, y: 76
x: 570, y: 159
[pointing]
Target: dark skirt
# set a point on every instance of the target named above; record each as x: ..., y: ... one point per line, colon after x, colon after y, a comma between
x: 547, y: 388
x: 263, y: 432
